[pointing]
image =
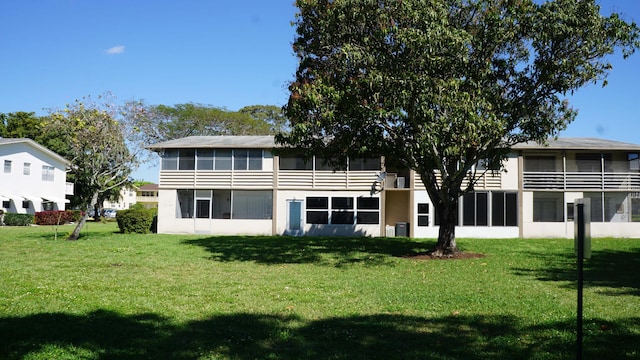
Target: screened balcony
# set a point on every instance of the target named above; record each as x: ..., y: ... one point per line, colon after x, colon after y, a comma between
x: 582, y: 171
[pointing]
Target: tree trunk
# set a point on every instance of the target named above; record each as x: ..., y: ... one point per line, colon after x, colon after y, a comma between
x: 76, y: 232
x: 446, y: 244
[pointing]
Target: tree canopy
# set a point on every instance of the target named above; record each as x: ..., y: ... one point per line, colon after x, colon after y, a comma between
x: 439, y: 85
x: 98, y: 152
x: 158, y: 123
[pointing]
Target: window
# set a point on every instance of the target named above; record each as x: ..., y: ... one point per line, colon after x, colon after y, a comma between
x: 548, y: 207
x: 204, y: 159
x: 252, y: 204
x: 322, y: 164
x: 536, y: 163
x: 317, y: 217
x: 589, y: 162
x: 504, y: 209
x: 368, y: 203
x: 634, y: 161
x: 170, y: 160
x: 7, y: 166
x: 423, y: 214
x: 342, y: 203
x: 474, y: 209
x: 570, y: 211
x: 247, y: 159
x: 47, y: 173
x: 635, y: 208
x: 295, y: 162
x: 184, y: 210
x: 25, y: 204
x: 6, y: 204
x: 315, y: 204
x: 342, y: 211
x: 368, y: 210
x: 48, y: 206
x: 223, y: 159
x: 222, y: 204
x: 341, y: 214
x: 240, y: 158
x: 362, y: 164
x: 342, y: 217
x: 597, y: 213
x: 26, y: 169
x: 616, y: 207
x: 187, y: 159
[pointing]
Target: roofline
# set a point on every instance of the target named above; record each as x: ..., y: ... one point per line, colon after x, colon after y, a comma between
x: 578, y: 143
x: 37, y: 146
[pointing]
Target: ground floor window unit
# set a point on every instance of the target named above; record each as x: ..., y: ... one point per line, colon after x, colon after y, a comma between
x: 480, y: 208
x: 224, y: 204
x: 605, y: 207
x: 342, y: 210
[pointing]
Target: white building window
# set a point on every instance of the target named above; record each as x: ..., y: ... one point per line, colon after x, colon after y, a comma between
x: 47, y: 173
x: 7, y: 166
x: 548, y: 207
x: 26, y: 170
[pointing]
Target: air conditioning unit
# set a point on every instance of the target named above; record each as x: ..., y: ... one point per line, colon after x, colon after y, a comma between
x: 400, y: 182
x: 390, y: 231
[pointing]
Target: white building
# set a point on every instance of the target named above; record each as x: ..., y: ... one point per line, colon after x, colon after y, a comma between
x: 33, y: 177
x: 126, y: 199
x: 234, y: 185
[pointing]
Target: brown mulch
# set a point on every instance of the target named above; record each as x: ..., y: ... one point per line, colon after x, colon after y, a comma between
x: 460, y: 255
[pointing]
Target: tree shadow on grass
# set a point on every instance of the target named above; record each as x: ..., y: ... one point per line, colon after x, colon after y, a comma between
x: 335, y: 251
x: 107, y: 335
x: 614, y: 269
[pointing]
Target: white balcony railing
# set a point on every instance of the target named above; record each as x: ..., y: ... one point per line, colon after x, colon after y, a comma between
x: 328, y: 180
x: 581, y: 181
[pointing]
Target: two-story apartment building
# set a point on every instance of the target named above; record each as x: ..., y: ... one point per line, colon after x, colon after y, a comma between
x: 126, y: 198
x: 235, y: 185
x: 33, y: 178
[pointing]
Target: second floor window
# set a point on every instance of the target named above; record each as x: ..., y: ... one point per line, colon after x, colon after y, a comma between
x: 26, y: 170
x: 540, y: 163
x: 212, y: 159
x: 244, y: 159
x: 47, y: 173
x: 7, y: 166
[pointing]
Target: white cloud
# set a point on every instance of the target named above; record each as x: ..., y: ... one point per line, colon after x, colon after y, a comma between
x: 115, y: 50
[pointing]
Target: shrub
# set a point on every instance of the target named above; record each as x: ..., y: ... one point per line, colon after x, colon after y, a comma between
x: 135, y: 220
x: 13, y: 219
x: 54, y: 217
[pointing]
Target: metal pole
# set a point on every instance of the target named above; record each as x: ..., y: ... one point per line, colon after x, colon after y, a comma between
x: 580, y: 251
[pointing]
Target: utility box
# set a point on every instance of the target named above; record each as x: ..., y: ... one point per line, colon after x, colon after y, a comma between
x: 402, y: 229
x: 390, y: 231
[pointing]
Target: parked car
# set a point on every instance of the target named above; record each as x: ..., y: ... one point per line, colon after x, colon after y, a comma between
x: 110, y: 213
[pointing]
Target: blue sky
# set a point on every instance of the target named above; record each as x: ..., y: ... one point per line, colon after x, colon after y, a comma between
x: 224, y: 53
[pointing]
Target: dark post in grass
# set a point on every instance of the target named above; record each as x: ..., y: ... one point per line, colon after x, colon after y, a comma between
x: 582, y: 245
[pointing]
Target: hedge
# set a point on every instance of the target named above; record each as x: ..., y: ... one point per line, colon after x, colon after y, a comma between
x: 136, y: 220
x: 13, y: 219
x: 54, y: 217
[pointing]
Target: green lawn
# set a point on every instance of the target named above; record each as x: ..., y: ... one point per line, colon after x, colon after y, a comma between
x: 115, y: 296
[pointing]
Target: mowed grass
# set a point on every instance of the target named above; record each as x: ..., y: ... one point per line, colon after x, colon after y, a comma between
x: 116, y: 296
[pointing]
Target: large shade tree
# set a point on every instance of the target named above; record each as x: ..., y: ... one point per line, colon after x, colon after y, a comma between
x: 97, y: 140
x: 439, y: 86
